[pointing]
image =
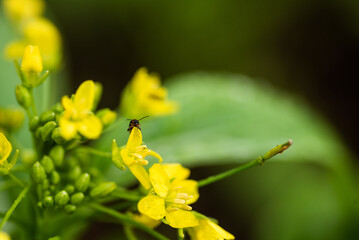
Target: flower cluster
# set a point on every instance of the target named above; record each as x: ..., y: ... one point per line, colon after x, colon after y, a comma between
x: 34, y: 29
x: 169, y: 191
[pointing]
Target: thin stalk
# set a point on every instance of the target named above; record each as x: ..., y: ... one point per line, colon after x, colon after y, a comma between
x: 129, y: 232
x: 258, y: 161
x: 17, y: 180
x: 126, y: 220
x: 33, y: 106
x: 94, y: 151
x: 14, y: 205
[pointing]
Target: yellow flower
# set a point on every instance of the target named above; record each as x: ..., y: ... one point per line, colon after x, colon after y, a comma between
x: 133, y: 156
x: 170, y: 199
x: 149, y: 222
x: 106, y: 116
x: 5, y: 148
x: 77, y: 116
x: 31, y: 61
x: 11, y: 119
x: 145, y: 96
x: 4, y: 236
x: 44, y: 34
x: 22, y: 10
x: 208, y: 230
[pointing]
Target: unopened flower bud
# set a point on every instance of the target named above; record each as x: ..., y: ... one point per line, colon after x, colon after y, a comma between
x: 77, y: 198
x: 47, y: 116
x: 38, y: 172
x: 55, y: 177
x: 56, y: 136
x: 70, y: 189
x: 46, y: 184
x: 23, y: 96
x: 47, y: 193
x: 107, y: 116
x: 70, y: 208
x: 103, y: 189
x: 48, y: 201
x: 58, y: 108
x: 57, y: 154
x: 75, y: 172
x: 34, y: 123
x: 31, y: 61
x: 38, y: 132
x: 62, y: 198
x: 47, y: 130
x: 48, y: 164
x: 83, y: 182
x: 98, y: 94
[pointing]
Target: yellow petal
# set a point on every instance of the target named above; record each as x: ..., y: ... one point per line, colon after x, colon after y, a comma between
x: 68, y: 128
x: 152, y: 206
x: 67, y: 103
x: 85, y: 96
x: 176, y: 171
x: 149, y: 152
x: 181, y: 219
x: 149, y: 222
x: 15, y: 49
x: 127, y: 158
x: 134, y: 140
x: 141, y: 174
x: 4, y: 236
x: 220, y: 231
x: 5, y: 148
x: 187, y: 186
x: 90, y: 127
x: 208, y: 230
x: 31, y: 61
x: 159, y: 180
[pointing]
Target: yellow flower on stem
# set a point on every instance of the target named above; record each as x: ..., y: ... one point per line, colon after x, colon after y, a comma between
x: 5, y: 148
x: 208, y: 230
x: 144, y: 95
x: 170, y: 199
x: 133, y: 156
x: 78, y: 116
x: 31, y: 61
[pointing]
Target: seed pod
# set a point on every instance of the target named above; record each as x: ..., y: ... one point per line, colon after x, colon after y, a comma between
x: 47, y: 116
x: 38, y: 173
x: 70, y: 208
x: 55, y: 177
x: 23, y: 96
x: 83, y: 182
x: 47, y: 130
x: 48, y: 164
x: 34, y: 123
x: 77, y: 198
x: 57, y: 154
x: 103, y: 189
x: 48, y: 201
x: 62, y: 198
x: 70, y: 189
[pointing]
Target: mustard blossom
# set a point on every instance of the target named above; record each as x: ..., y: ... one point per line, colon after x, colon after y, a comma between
x: 144, y: 95
x: 22, y: 10
x: 4, y: 236
x: 31, y: 61
x: 208, y: 230
x: 170, y: 199
x: 149, y: 222
x: 133, y: 156
x: 77, y: 116
x: 5, y: 149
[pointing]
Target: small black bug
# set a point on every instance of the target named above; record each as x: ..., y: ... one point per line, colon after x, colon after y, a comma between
x: 134, y: 123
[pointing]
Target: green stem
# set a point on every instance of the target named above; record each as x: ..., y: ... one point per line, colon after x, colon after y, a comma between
x: 127, y: 220
x: 33, y: 106
x: 14, y: 205
x: 125, y: 195
x: 17, y: 180
x: 258, y: 161
x: 94, y: 151
x: 129, y: 232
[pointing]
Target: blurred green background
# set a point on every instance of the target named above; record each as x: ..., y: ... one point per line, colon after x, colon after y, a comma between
x: 300, y: 57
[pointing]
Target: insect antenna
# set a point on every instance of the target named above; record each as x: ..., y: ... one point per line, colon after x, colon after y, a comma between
x: 143, y: 118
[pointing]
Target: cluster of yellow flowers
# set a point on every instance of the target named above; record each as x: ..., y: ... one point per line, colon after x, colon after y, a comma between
x: 169, y: 191
x: 33, y: 28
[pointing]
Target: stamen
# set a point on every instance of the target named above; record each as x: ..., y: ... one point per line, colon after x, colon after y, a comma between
x: 182, y: 195
x: 172, y: 209
x: 186, y: 207
x: 179, y: 201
